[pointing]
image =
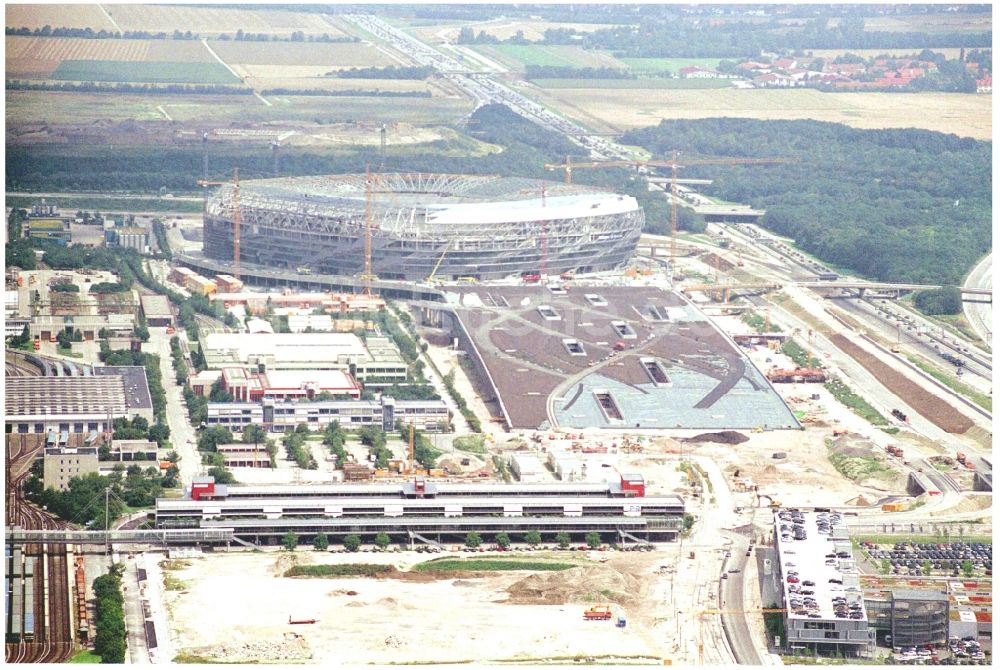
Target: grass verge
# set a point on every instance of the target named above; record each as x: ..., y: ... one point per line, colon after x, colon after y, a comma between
x: 488, y: 564
x: 345, y: 570
x: 855, y: 403
x: 474, y: 444
x: 858, y: 468
x: 983, y: 400
x: 85, y: 656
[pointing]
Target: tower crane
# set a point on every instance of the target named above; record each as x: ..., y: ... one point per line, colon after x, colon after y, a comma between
x: 237, y: 215
x: 674, y: 166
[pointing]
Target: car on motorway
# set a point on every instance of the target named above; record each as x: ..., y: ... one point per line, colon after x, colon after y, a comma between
x: 808, y: 583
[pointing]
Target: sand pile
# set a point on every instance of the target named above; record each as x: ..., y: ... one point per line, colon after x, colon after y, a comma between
x: 592, y: 584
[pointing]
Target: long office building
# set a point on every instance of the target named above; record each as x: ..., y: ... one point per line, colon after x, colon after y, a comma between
x: 449, y: 226
x: 426, y: 514
x: 282, y: 416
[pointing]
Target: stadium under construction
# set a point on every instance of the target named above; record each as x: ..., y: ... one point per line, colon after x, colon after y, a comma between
x: 423, y: 225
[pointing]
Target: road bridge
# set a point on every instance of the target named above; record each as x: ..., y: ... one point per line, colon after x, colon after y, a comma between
x: 162, y: 537
x: 968, y: 293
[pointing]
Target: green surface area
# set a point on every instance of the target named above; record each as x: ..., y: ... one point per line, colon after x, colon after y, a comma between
x: 673, y: 65
x: 633, y: 84
x: 111, y: 204
x: 475, y: 444
x: 561, y: 55
x: 858, y: 468
x: 982, y: 399
x: 488, y: 564
x: 85, y: 656
x: 139, y: 71
x: 344, y: 570
x: 855, y: 403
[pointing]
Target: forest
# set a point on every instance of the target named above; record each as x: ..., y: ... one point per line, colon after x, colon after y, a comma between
x: 902, y: 205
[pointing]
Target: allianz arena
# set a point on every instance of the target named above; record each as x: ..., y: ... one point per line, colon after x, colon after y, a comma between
x: 484, y: 227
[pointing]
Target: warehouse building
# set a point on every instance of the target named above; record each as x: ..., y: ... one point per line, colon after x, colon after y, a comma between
x: 814, y: 554
x: 69, y: 404
x: 89, y: 325
x: 527, y: 468
x: 138, y: 402
x: 156, y: 309
x: 373, y: 362
x: 282, y: 416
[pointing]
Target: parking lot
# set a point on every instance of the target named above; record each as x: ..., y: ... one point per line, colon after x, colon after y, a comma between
x: 921, y: 559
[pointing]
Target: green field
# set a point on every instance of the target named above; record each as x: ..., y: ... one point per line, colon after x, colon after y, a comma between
x: 559, y: 55
x: 142, y: 72
x: 656, y: 65
x: 85, y: 656
x: 344, y: 570
x: 633, y: 84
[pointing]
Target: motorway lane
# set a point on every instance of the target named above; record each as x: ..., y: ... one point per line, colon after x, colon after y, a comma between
x: 980, y: 315
x: 732, y: 603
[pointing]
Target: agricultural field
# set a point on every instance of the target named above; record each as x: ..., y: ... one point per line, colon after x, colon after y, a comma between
x: 517, y: 56
x: 39, y: 57
x: 213, y: 21
x: 263, y: 77
x: 154, y: 73
x: 57, y: 16
x: 642, y: 66
x: 327, y: 55
x: 929, y: 23
x: 959, y: 113
x: 447, y: 31
x: 634, y: 84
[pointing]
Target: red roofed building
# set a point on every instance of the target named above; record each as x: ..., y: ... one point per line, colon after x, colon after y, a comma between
x: 785, y: 63
x: 695, y: 72
x: 984, y: 85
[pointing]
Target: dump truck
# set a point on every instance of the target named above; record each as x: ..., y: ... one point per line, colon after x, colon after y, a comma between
x: 960, y: 457
x: 598, y: 613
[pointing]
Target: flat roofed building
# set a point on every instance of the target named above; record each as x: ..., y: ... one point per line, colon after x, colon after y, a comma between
x: 815, y: 554
x: 228, y: 283
x: 156, y: 309
x: 239, y: 455
x: 201, y: 383
x: 912, y: 617
x: 282, y: 416
x: 375, y: 361
x: 137, y: 398
x: 317, y: 323
x: 73, y: 404
x: 89, y: 325
x: 63, y: 463
x: 528, y: 468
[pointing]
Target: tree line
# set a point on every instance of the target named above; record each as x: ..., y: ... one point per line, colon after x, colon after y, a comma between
x: 123, y: 87
x: 347, y: 93
x: 390, y: 72
x: 239, y: 36
x: 570, y: 72
x: 898, y: 204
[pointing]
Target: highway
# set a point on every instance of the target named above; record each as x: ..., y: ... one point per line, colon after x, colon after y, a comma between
x: 980, y: 315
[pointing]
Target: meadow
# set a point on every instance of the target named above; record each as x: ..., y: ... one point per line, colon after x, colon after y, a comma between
x: 643, y: 66
x: 634, y: 84
x: 516, y: 56
x: 144, y: 72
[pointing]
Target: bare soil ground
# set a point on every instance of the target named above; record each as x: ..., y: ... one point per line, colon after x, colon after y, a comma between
x: 935, y: 410
x: 968, y: 115
x: 212, y: 21
x: 236, y: 607
x: 69, y: 16
x: 279, y: 54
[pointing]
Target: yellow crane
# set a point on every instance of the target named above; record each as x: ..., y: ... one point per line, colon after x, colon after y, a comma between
x: 673, y: 164
x: 237, y: 215
x: 430, y: 277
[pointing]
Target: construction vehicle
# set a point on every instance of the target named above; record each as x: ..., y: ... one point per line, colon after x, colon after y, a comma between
x: 304, y: 270
x: 531, y: 278
x: 430, y: 277
x: 598, y: 613
x: 960, y: 457
x: 619, y: 346
x: 899, y: 415
x: 837, y: 432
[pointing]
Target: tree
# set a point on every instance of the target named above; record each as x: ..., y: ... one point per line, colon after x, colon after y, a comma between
x: 926, y: 566
x: 159, y: 433
x: 253, y: 434
x: 533, y: 537
x: 289, y: 541
x: 473, y: 540
x: 562, y: 539
x: 321, y: 542
x: 885, y: 566
x: 213, y: 436
x: 352, y: 542
x: 503, y: 540
x: 688, y: 522
x: 967, y: 568
x: 593, y: 540
x: 382, y: 540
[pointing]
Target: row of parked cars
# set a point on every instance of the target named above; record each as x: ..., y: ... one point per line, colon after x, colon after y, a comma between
x: 907, y: 558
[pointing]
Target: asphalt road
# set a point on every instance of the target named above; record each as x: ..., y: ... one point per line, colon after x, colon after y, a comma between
x: 734, y: 617
x: 135, y: 622
x: 980, y: 315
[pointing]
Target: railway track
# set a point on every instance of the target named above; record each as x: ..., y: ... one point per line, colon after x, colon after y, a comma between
x: 52, y: 641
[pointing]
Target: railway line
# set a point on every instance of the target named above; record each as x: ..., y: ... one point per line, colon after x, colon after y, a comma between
x: 52, y: 639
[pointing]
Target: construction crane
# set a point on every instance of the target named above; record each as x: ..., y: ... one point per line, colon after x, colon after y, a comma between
x: 430, y: 277
x: 237, y: 215
x: 367, y: 276
x: 569, y: 166
x: 544, y: 261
